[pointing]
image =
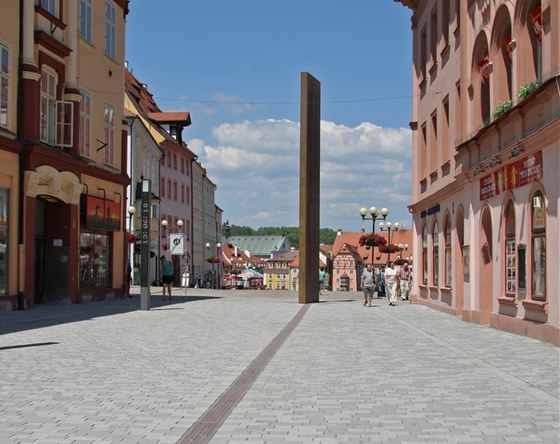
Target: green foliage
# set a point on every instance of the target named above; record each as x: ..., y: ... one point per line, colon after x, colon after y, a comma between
x: 502, y: 108
x: 528, y: 89
x: 326, y: 235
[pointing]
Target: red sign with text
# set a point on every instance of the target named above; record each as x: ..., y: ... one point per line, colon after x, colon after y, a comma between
x: 511, y: 176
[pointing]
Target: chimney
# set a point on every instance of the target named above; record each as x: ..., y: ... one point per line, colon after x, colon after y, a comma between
x: 339, y: 231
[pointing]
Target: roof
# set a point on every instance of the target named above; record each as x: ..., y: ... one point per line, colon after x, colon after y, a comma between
x: 171, y: 117
x: 237, y: 257
x: 262, y: 246
x: 295, y: 263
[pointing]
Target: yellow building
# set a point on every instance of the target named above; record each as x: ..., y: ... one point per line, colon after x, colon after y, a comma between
x: 62, y: 161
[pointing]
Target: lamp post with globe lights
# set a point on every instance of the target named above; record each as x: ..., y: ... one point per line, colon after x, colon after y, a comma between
x: 390, y: 228
x: 214, y: 261
x: 375, y: 216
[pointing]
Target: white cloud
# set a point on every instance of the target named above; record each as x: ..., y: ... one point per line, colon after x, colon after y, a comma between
x: 255, y: 165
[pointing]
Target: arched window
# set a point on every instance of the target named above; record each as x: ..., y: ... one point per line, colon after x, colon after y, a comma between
x: 447, y: 258
x: 435, y: 255
x: 425, y: 255
x: 538, y: 242
x: 510, y: 268
x: 536, y: 38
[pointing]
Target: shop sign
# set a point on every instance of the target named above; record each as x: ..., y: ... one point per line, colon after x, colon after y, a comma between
x: 102, y: 214
x: 536, y: 19
x: 511, y: 176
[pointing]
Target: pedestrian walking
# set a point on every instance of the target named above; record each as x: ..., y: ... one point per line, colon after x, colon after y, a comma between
x: 166, y: 276
x: 368, y: 282
x: 381, y: 282
x: 405, y: 276
x: 392, y: 279
x: 321, y: 280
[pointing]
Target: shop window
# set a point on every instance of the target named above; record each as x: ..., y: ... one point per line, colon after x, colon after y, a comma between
x: 425, y: 255
x: 538, y: 241
x: 4, y: 83
x: 4, y: 194
x: 435, y: 255
x: 510, y: 269
x: 94, y: 260
x: 448, y: 272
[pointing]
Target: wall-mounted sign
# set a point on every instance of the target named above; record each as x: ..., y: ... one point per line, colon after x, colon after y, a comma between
x: 511, y: 176
x: 102, y: 214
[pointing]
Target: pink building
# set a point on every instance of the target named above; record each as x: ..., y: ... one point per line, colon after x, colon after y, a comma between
x: 486, y: 130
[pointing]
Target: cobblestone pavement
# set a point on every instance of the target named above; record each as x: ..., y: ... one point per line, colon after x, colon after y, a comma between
x: 257, y: 367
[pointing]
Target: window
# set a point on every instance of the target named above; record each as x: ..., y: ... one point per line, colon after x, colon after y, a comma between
x: 445, y: 22
x: 447, y: 259
x: 182, y: 193
x: 433, y: 35
x: 175, y: 161
x: 169, y: 188
x: 50, y: 6
x: 109, y: 134
x: 538, y: 241
x: 4, y: 84
x: 94, y: 260
x: 435, y: 255
x: 510, y: 256
x: 175, y: 191
x: 110, y: 30
x: 48, y: 107
x: 188, y: 195
x: 445, y: 149
x: 423, y: 52
x: 423, y: 153
x: 162, y: 187
x: 85, y: 20
x: 434, y: 144
x: 182, y: 164
x: 425, y: 255
x: 4, y: 208
x: 85, y: 124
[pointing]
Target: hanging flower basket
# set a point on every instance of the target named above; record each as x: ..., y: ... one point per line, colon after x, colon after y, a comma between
x: 372, y: 240
x: 164, y: 245
x: 401, y: 261
x: 131, y: 238
x: 212, y: 259
x: 235, y: 272
x: 391, y: 248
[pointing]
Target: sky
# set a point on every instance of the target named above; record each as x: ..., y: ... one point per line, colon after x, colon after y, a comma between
x: 236, y: 67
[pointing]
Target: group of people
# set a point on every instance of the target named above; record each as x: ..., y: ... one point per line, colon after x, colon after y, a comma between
x: 394, y: 281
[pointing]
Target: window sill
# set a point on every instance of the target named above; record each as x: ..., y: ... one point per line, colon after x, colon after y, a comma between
x: 446, y: 290
x: 506, y: 300
x: 539, y: 306
x: 52, y: 18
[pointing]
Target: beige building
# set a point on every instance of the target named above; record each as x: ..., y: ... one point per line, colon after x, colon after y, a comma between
x: 486, y: 156
x: 62, y: 151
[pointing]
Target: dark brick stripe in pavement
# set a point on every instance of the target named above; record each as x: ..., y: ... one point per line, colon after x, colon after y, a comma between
x: 202, y: 431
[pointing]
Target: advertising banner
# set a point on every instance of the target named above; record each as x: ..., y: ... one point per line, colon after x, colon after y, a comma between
x: 511, y: 176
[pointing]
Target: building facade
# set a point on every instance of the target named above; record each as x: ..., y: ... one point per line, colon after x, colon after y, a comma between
x: 486, y: 154
x: 63, y: 151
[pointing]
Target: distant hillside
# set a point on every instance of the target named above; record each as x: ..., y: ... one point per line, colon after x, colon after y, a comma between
x: 326, y: 235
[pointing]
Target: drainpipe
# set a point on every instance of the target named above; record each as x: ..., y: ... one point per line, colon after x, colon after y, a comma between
x: 20, y: 266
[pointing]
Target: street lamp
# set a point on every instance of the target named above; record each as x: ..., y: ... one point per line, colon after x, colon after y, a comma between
x: 402, y: 247
x: 390, y: 228
x: 218, y: 246
x: 375, y: 215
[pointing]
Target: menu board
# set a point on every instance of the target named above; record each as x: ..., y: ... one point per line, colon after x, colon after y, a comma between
x: 511, y: 268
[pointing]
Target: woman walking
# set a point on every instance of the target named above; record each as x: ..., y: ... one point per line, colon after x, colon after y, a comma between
x: 166, y: 276
x: 391, y: 283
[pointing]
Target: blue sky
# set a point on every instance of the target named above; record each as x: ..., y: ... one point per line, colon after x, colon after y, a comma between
x: 235, y: 66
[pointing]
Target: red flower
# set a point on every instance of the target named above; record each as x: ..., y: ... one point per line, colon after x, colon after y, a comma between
x: 372, y: 240
x: 131, y: 238
x: 391, y: 248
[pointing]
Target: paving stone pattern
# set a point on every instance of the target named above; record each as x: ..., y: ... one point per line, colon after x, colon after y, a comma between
x: 106, y: 372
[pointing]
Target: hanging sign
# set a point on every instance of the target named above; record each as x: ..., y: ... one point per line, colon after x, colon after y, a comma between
x: 536, y: 19
x: 102, y: 214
